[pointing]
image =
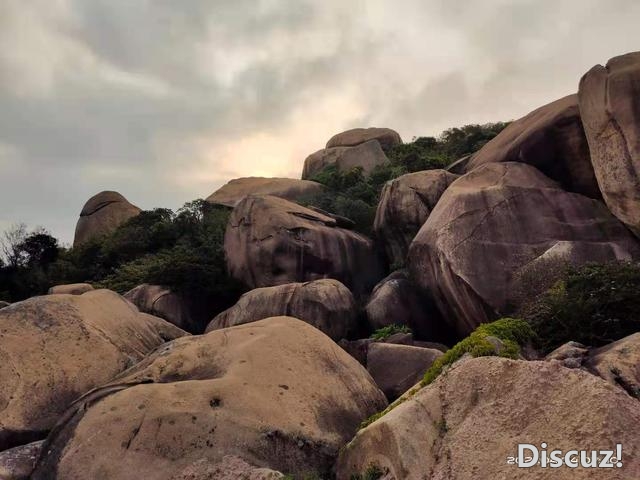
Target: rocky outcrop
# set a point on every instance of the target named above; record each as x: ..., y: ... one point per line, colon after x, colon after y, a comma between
x: 270, y: 241
x: 277, y: 393
x: 396, y: 300
x: 292, y: 189
x: 551, y: 139
x: 470, y: 421
x: 229, y: 468
x: 326, y: 304
x: 619, y: 363
x: 366, y: 156
x: 397, y: 368
x: 17, y: 463
x: 405, y: 204
x: 493, y: 222
x: 356, y: 136
x: 57, y: 347
x: 610, y: 108
x: 101, y: 215
x: 162, y: 302
x: 71, y: 289
x: 4, y: 304
x: 570, y: 355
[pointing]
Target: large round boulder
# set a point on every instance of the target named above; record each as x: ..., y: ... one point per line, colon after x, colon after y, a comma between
x: 70, y: 289
x: 326, y: 304
x: 405, y: 204
x: 277, y: 393
x: 356, y: 136
x: 397, y: 301
x: 162, y: 302
x: 469, y: 423
x: 551, y: 139
x: 491, y: 224
x: 292, y: 189
x: 610, y: 108
x: 101, y: 215
x: 366, y: 156
x: 271, y: 241
x: 57, y: 347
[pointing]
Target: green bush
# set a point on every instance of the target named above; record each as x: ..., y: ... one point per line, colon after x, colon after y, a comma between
x: 594, y: 305
x: 385, y: 332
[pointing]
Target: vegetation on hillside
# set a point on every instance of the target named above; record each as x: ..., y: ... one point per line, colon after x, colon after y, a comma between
x: 594, y: 304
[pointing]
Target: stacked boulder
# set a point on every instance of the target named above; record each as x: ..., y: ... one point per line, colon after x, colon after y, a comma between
x: 101, y: 215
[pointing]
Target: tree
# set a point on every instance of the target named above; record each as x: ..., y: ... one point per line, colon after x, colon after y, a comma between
x: 10, y: 243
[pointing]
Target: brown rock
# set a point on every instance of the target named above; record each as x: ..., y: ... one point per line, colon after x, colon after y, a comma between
x: 4, y: 304
x: 619, y: 363
x: 551, y: 139
x: 459, y: 167
x: 17, y: 463
x: 396, y: 368
x: 162, y: 302
x: 356, y: 136
x: 367, y: 156
x: 570, y: 355
x: 326, y: 304
x: 467, y: 423
x: 71, y: 289
x: 610, y: 108
x: 277, y: 393
x: 396, y: 300
x: 292, y: 189
x: 230, y: 468
x: 405, y: 204
x: 101, y: 215
x: 493, y: 222
x: 270, y: 241
x: 57, y: 347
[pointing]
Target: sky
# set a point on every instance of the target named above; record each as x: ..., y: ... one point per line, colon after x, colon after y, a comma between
x: 165, y: 100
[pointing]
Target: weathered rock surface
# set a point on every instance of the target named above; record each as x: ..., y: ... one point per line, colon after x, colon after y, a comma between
x: 551, y: 139
x: 17, y: 463
x: 396, y: 300
x: 4, y: 304
x: 610, y: 108
x: 101, y: 215
x: 162, y: 302
x: 356, y: 136
x: 367, y: 156
x: 292, y: 189
x: 270, y: 241
x: 71, y: 289
x: 493, y: 222
x: 277, y: 393
x: 405, y: 204
x: 468, y: 422
x: 619, y: 363
x: 57, y: 347
x: 326, y: 304
x: 459, y: 167
x: 230, y: 468
x: 570, y: 355
x: 397, y: 368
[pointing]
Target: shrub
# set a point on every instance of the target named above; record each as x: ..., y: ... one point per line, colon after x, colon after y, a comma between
x: 594, y: 304
x: 385, y: 332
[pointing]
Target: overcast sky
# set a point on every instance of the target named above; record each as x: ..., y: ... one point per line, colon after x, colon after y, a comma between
x: 166, y: 100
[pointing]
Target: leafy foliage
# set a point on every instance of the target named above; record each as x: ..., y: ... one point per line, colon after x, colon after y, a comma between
x: 373, y: 472
x: 385, y: 332
x: 594, y: 305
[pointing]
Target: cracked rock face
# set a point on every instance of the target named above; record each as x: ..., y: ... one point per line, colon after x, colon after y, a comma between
x: 326, y: 304
x: 610, y: 108
x: 277, y: 393
x: 405, y: 204
x: 491, y: 224
x: 367, y: 156
x: 292, y: 189
x: 55, y: 348
x: 101, y: 215
x: 270, y: 241
x: 552, y: 139
x: 467, y: 423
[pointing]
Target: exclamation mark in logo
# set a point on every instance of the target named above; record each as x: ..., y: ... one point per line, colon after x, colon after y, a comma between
x: 619, y: 455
